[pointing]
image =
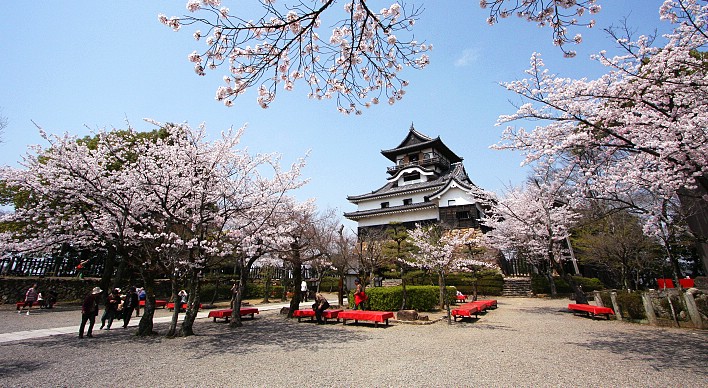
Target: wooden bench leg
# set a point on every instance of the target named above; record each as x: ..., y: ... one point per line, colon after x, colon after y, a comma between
x: 214, y: 319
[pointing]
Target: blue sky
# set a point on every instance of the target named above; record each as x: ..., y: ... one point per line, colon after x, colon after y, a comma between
x: 77, y: 66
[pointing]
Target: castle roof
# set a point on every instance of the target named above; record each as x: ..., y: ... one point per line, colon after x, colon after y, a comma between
x: 391, y: 189
x: 416, y: 141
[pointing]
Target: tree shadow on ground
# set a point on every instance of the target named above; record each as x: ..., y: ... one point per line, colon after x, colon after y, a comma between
x: 686, y: 351
x: 215, y: 338
x: 545, y: 310
x: 17, y: 368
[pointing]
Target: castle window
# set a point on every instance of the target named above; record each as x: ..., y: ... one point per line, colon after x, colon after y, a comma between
x: 384, y: 205
x: 464, y: 215
x: 408, y: 201
x: 411, y: 177
x: 450, y: 202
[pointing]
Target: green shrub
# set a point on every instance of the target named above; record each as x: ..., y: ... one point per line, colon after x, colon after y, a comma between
x: 539, y: 284
x: 420, y: 298
x: 630, y: 304
x: 329, y: 284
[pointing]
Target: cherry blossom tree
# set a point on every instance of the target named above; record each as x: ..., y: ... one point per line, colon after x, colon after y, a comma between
x: 358, y: 62
x: 535, y: 221
x: 440, y: 250
x: 172, y: 204
x: 559, y: 15
x: 640, y: 127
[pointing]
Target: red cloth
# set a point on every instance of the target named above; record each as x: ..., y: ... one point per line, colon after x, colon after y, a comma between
x: 225, y: 313
x: 362, y: 315
x: 360, y: 297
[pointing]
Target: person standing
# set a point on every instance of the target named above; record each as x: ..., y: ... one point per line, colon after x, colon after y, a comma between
x: 359, y: 295
x: 89, y: 311
x: 109, y: 313
x: 30, y: 298
x: 320, y: 306
x: 129, y: 304
x: 303, y: 290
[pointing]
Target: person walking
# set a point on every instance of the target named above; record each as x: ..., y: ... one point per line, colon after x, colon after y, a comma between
x: 320, y: 306
x: 30, y: 297
x: 109, y: 313
x: 89, y: 312
x: 129, y: 304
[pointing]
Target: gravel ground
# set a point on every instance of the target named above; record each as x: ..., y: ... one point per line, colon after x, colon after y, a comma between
x: 525, y: 342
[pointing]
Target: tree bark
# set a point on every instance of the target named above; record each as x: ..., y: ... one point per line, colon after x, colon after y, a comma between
x: 297, y: 279
x: 145, y: 326
x: 172, y: 329
x: 187, y: 328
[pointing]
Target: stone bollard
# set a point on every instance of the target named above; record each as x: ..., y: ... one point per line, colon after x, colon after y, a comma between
x: 693, y: 309
x: 615, y: 305
x: 598, y: 299
x: 648, y: 308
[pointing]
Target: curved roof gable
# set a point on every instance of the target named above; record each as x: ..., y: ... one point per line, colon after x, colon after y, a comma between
x: 416, y: 141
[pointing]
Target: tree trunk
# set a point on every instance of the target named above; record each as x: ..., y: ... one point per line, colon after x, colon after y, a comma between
x: 445, y: 299
x: 216, y: 289
x: 340, y: 291
x: 404, y: 302
x: 236, y: 310
x: 145, y: 326
x: 109, y: 265
x: 268, y: 278
x: 172, y: 329
x: 187, y: 328
x: 297, y: 279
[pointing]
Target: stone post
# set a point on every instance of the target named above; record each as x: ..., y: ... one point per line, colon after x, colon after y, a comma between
x: 693, y: 310
x: 649, y: 308
x: 598, y: 299
x: 615, y: 305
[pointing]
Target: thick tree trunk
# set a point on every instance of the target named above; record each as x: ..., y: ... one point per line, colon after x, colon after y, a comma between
x: 172, y: 329
x: 187, y: 328
x: 109, y: 265
x: 297, y: 279
x: 236, y: 310
x: 696, y: 207
x: 145, y: 327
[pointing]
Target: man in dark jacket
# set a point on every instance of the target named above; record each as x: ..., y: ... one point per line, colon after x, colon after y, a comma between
x: 130, y: 303
x: 89, y: 311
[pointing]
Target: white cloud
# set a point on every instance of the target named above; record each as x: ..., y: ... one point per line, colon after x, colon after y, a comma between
x: 468, y: 57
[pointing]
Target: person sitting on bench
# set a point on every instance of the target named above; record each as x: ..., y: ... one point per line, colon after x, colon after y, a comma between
x: 320, y: 306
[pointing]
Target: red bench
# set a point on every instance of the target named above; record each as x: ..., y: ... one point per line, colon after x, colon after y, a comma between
x: 226, y: 313
x: 327, y: 314
x: 590, y: 310
x: 171, y: 306
x: 476, y: 307
x: 669, y: 283
x: 158, y: 303
x: 465, y: 311
x: 365, y: 315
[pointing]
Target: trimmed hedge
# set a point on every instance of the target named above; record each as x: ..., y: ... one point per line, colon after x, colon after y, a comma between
x: 539, y: 284
x: 420, y: 298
